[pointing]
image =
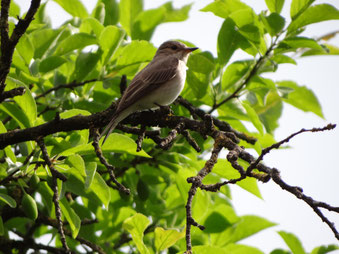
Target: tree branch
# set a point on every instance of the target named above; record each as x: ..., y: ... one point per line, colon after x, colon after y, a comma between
x: 12, y: 93
x: 8, y: 44
x: 68, y: 86
x: 51, y: 222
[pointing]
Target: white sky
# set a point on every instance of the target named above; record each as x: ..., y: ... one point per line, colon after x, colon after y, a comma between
x: 311, y: 163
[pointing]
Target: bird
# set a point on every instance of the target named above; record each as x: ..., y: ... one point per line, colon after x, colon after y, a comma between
x: 158, y: 84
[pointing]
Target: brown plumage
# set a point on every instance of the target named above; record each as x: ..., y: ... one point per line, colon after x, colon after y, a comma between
x: 159, y: 83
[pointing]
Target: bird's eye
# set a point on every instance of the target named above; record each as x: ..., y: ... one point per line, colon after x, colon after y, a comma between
x: 174, y: 47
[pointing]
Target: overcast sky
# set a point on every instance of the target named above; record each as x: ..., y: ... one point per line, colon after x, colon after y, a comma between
x: 311, y: 163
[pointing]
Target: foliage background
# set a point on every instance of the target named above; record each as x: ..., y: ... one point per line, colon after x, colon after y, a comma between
x: 296, y: 177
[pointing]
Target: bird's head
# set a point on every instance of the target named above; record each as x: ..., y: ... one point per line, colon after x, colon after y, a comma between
x: 174, y: 48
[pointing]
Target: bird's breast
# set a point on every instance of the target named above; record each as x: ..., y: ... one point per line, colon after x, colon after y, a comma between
x: 168, y: 92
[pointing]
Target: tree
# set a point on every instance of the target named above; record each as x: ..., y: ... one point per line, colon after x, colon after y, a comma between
x: 158, y: 182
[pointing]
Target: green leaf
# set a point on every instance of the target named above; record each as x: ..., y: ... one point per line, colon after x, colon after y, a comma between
x: 77, y: 162
x: 233, y: 109
x: 223, y: 8
x: 234, y: 73
x: 253, y: 117
x: 91, y: 24
x: 129, y: 10
x: 25, y: 48
x: 115, y: 143
x: 46, y: 196
x: 43, y: 40
x: 224, y: 169
x: 327, y: 50
x: 75, y: 41
x: 302, y: 42
x: 314, y: 14
x: 324, y: 249
x: 143, y: 190
x: 16, y: 113
x: 8, y: 151
x: 241, y: 249
x: 298, y: 7
x: 135, y: 53
x: 123, y: 144
x: 101, y: 189
x: 73, y: 7
x: 91, y: 169
x: 84, y: 65
x: 51, y: 63
x: 2, y: 230
x: 270, y: 112
x: 201, y: 62
x: 216, y: 223
x: 109, y: 40
x: 26, y: 101
x: 198, y: 83
x: 14, y: 10
x: 41, y: 17
x: 176, y: 15
x: 29, y: 206
x: 8, y: 200
x: 302, y: 98
x: 136, y: 226
x: 166, y: 238
x: 99, y: 12
x: 280, y: 251
x: 275, y: 5
x: 207, y: 249
x: 248, y: 24
x: 111, y: 12
x: 281, y: 59
x: 74, y: 112
x: 274, y: 23
x: 248, y: 226
x: 70, y: 215
x: 228, y: 38
x: 146, y: 22
x: 292, y: 242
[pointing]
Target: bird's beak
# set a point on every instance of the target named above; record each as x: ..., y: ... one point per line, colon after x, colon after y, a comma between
x: 189, y: 50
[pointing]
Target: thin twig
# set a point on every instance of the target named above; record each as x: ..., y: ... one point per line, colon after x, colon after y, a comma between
x: 140, y: 138
x: 11, y: 175
x: 103, y: 160
x: 167, y: 142
x: 222, y: 125
x: 248, y: 76
x: 191, y: 140
x: 51, y: 222
x: 55, y: 176
x: 72, y: 85
x: 297, y: 191
x: 265, y: 151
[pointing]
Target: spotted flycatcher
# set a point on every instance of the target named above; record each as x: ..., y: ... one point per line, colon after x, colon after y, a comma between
x: 158, y: 84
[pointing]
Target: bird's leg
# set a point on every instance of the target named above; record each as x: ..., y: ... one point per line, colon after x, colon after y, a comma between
x: 166, y: 109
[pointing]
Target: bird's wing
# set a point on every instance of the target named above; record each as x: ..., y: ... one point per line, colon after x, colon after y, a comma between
x: 152, y: 76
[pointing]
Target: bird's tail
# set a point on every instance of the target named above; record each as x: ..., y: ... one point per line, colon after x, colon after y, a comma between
x: 111, y: 126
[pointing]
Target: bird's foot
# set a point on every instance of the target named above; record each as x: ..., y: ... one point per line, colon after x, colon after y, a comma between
x: 165, y: 109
